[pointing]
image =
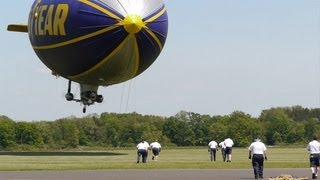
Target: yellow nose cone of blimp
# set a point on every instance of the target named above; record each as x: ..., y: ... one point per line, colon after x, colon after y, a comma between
x: 133, y: 23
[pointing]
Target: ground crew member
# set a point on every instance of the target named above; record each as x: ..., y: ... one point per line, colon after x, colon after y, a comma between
x: 223, y: 151
x: 228, y: 143
x: 156, y: 148
x: 142, y: 148
x: 213, y: 148
x: 257, y: 152
x: 314, y: 149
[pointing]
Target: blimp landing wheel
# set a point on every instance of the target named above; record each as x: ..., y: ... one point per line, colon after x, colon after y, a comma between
x: 84, y: 109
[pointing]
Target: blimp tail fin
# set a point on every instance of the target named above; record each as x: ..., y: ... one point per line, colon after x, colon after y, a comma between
x: 18, y: 28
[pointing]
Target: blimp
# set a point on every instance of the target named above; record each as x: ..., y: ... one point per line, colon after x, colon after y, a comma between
x: 96, y: 42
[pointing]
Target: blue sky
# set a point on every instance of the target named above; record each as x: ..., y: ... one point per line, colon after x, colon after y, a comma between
x: 220, y: 56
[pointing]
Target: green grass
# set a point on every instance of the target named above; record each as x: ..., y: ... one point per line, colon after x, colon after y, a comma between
x: 181, y: 158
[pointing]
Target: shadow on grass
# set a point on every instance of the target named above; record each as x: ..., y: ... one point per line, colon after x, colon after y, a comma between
x: 62, y: 154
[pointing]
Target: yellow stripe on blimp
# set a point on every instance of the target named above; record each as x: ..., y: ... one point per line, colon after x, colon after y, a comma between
x: 152, y: 34
x: 75, y: 40
x: 106, y: 59
x: 156, y: 16
x: 105, y: 11
x: 136, y: 47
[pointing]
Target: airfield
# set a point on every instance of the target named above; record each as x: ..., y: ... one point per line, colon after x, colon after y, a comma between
x: 174, y: 163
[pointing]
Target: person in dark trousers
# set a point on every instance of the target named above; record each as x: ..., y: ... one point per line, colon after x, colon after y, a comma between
x: 156, y: 148
x: 223, y: 150
x: 257, y: 152
x: 314, y: 150
x: 142, y: 148
x: 213, y: 148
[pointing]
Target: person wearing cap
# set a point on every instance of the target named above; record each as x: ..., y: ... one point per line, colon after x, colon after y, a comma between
x: 213, y: 148
x: 257, y: 152
x: 156, y: 148
x: 228, y: 143
x: 142, y: 148
x: 314, y: 150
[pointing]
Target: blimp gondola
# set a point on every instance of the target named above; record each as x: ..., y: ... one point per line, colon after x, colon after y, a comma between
x: 96, y: 42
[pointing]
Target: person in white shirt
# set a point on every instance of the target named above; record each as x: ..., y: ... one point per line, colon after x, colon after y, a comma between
x: 257, y: 152
x: 142, y: 148
x: 228, y: 143
x: 213, y: 148
x: 156, y: 148
x: 314, y: 150
x: 223, y: 150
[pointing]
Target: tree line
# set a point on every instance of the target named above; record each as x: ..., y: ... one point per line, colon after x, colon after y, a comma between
x: 281, y: 125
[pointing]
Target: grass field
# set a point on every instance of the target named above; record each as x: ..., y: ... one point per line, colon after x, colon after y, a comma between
x: 180, y: 158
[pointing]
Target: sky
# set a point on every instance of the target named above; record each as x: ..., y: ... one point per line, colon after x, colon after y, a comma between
x: 220, y: 56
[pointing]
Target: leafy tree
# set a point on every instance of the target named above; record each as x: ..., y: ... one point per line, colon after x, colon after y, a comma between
x: 179, y: 132
x: 88, y: 131
x: 277, y: 125
x: 218, y: 131
x: 242, y: 128
x: 296, y: 133
x: 37, y: 134
x: 70, y: 132
x: 298, y: 113
x: 7, y: 132
x: 200, y: 129
x: 28, y: 133
x: 311, y: 128
x: 71, y: 135
x: 45, y: 132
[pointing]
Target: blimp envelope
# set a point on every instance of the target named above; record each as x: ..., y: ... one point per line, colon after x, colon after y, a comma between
x: 98, y: 42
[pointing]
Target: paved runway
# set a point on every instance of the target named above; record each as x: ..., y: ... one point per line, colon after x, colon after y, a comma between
x: 241, y: 174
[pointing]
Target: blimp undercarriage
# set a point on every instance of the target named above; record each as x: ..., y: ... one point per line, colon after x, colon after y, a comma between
x: 88, y: 95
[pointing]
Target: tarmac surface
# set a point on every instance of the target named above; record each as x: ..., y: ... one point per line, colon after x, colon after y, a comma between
x: 187, y: 174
